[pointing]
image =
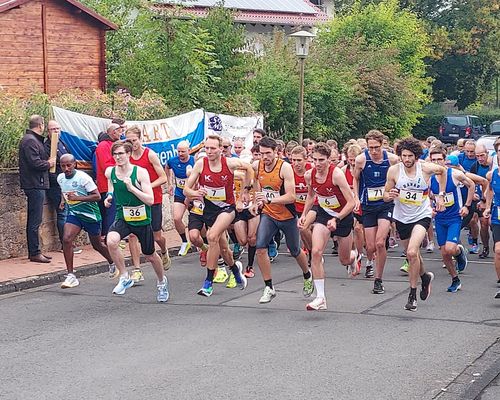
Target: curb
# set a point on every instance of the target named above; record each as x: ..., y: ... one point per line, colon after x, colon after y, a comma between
x: 50, y: 278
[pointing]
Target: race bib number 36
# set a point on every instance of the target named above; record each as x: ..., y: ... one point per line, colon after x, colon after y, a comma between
x: 215, y: 194
x: 134, y: 214
x: 375, y: 194
x: 330, y: 202
x: 412, y: 197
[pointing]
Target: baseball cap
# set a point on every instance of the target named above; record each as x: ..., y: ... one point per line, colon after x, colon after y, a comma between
x: 452, y: 160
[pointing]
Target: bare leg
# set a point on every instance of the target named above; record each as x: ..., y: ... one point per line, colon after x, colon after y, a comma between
x: 155, y: 261
x: 70, y: 233
x: 179, y: 210
x: 98, y: 246
x: 416, y: 268
x: 214, y: 234
x: 384, y: 227
x: 160, y: 240
x: 113, y: 240
x: 135, y: 250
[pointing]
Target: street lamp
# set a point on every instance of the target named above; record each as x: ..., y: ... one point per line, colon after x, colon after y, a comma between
x: 303, y: 40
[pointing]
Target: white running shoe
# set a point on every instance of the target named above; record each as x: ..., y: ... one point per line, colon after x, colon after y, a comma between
x: 267, y: 295
x: 354, y: 268
x: 185, y: 246
x: 70, y: 282
x: 123, y: 284
x: 430, y: 247
x: 319, y: 303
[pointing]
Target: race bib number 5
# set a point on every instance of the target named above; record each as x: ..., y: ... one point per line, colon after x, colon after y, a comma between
x: 330, y: 202
x: 412, y: 197
x: 215, y: 194
x: 375, y: 194
x: 134, y: 214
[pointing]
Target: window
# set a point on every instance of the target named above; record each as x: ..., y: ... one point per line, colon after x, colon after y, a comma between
x: 460, y: 121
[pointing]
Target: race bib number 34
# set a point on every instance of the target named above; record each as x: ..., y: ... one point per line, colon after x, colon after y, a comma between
x: 134, y: 214
x: 412, y: 197
x: 375, y: 194
x: 215, y: 194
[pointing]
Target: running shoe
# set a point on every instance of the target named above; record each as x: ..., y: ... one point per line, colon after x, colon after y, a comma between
x: 203, y: 258
x: 430, y: 247
x: 369, y: 269
x: 241, y: 279
x: 412, y: 303
x: 76, y: 250
x: 498, y: 283
x: 267, y: 295
x: 166, y: 261
x: 207, y: 289
x: 485, y: 253
x: 185, y: 246
x: 455, y: 286
x: 355, y: 267
x: 405, y: 266
x: 237, y: 251
x: 249, y: 272
x: 474, y: 249
x: 318, y: 304
x: 272, y: 251
x: 113, y: 271
x: 461, y: 259
x: 220, y: 275
x: 427, y: 279
x: 122, y: 244
x: 308, y: 288
x: 231, y: 282
x: 469, y: 239
x: 123, y: 284
x: 378, y: 288
x: 403, y: 254
x: 392, y: 243
x: 163, y: 293
x: 137, y: 275
x: 497, y: 296
x: 70, y: 282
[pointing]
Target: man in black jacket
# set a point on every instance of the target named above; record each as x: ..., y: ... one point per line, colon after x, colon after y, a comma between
x: 34, y: 165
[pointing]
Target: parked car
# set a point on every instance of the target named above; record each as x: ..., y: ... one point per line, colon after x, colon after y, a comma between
x: 454, y: 127
x: 488, y: 140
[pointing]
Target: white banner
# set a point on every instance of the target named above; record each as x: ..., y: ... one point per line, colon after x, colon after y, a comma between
x: 233, y: 127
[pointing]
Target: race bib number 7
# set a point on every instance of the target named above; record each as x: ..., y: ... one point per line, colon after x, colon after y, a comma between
x: 375, y: 194
x: 215, y: 194
x: 412, y: 197
x: 134, y: 214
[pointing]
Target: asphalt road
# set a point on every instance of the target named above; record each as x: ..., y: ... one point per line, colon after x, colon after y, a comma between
x: 86, y: 343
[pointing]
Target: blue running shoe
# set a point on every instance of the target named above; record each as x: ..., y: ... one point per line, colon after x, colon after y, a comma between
x: 163, y: 293
x: 241, y: 279
x: 237, y: 251
x: 455, y: 286
x: 207, y: 289
x: 123, y: 284
x: 469, y: 239
x: 461, y: 259
x: 474, y: 249
x: 272, y: 251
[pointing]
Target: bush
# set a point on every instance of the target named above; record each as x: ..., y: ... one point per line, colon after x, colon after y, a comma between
x: 15, y: 112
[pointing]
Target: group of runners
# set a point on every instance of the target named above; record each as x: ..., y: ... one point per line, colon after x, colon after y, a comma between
x: 362, y: 198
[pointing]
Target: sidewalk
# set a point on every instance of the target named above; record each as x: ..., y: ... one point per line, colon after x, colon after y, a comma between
x: 21, y: 274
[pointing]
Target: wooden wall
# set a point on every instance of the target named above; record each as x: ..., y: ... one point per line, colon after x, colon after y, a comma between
x: 74, y: 48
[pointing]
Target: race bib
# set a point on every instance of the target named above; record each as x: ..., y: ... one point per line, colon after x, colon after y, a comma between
x: 330, y: 202
x: 70, y: 202
x: 270, y: 194
x: 198, y: 207
x: 180, y: 183
x: 134, y: 214
x: 215, y: 194
x: 375, y: 194
x: 449, y: 200
x: 412, y: 197
x: 498, y: 213
x: 300, y: 198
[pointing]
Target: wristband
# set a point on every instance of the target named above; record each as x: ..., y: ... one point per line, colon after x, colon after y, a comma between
x: 109, y: 194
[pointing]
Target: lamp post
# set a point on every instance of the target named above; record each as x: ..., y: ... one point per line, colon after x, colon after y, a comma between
x: 303, y: 40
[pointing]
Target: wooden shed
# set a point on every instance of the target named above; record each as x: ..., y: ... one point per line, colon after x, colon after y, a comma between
x: 51, y: 45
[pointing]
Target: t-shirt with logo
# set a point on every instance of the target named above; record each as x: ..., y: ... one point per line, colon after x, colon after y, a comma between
x: 81, y: 185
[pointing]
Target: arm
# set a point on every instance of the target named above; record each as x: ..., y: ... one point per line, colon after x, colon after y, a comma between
x: 162, y: 176
x: 91, y: 196
x: 169, y: 174
x: 33, y: 157
x: 145, y: 194
x: 235, y: 164
x: 358, y: 167
x: 340, y: 180
x: 310, y: 195
x: 488, y: 194
x: 390, y: 191
x: 192, y: 180
x: 461, y: 178
x: 393, y: 158
x: 109, y: 198
x: 441, y: 175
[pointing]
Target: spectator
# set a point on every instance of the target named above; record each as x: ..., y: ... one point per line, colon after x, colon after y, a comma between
x: 258, y: 134
x: 34, y: 165
x: 238, y: 147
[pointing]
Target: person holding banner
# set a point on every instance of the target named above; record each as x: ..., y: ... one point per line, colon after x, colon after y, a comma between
x: 148, y: 159
x: 215, y: 176
x: 131, y: 188
x: 34, y: 165
x: 176, y: 177
x: 104, y: 159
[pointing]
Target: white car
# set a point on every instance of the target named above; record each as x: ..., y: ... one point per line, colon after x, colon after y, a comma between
x: 489, y: 139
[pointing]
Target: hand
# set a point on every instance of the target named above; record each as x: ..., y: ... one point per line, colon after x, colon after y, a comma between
x: 464, y: 211
x: 52, y: 161
x: 476, y: 197
x: 357, y: 204
x: 332, y: 224
x: 254, y: 209
x: 440, y: 203
x: 260, y: 197
x: 486, y: 213
x: 481, y: 206
x: 62, y: 204
x: 128, y: 182
x: 245, y: 197
x: 434, y: 212
x: 239, y: 206
x: 71, y: 196
x: 107, y: 201
x: 200, y: 193
x: 301, y: 223
x: 170, y: 190
x: 393, y: 193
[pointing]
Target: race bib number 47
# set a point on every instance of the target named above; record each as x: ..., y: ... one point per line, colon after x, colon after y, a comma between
x: 134, y: 214
x: 300, y: 198
x: 412, y: 197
